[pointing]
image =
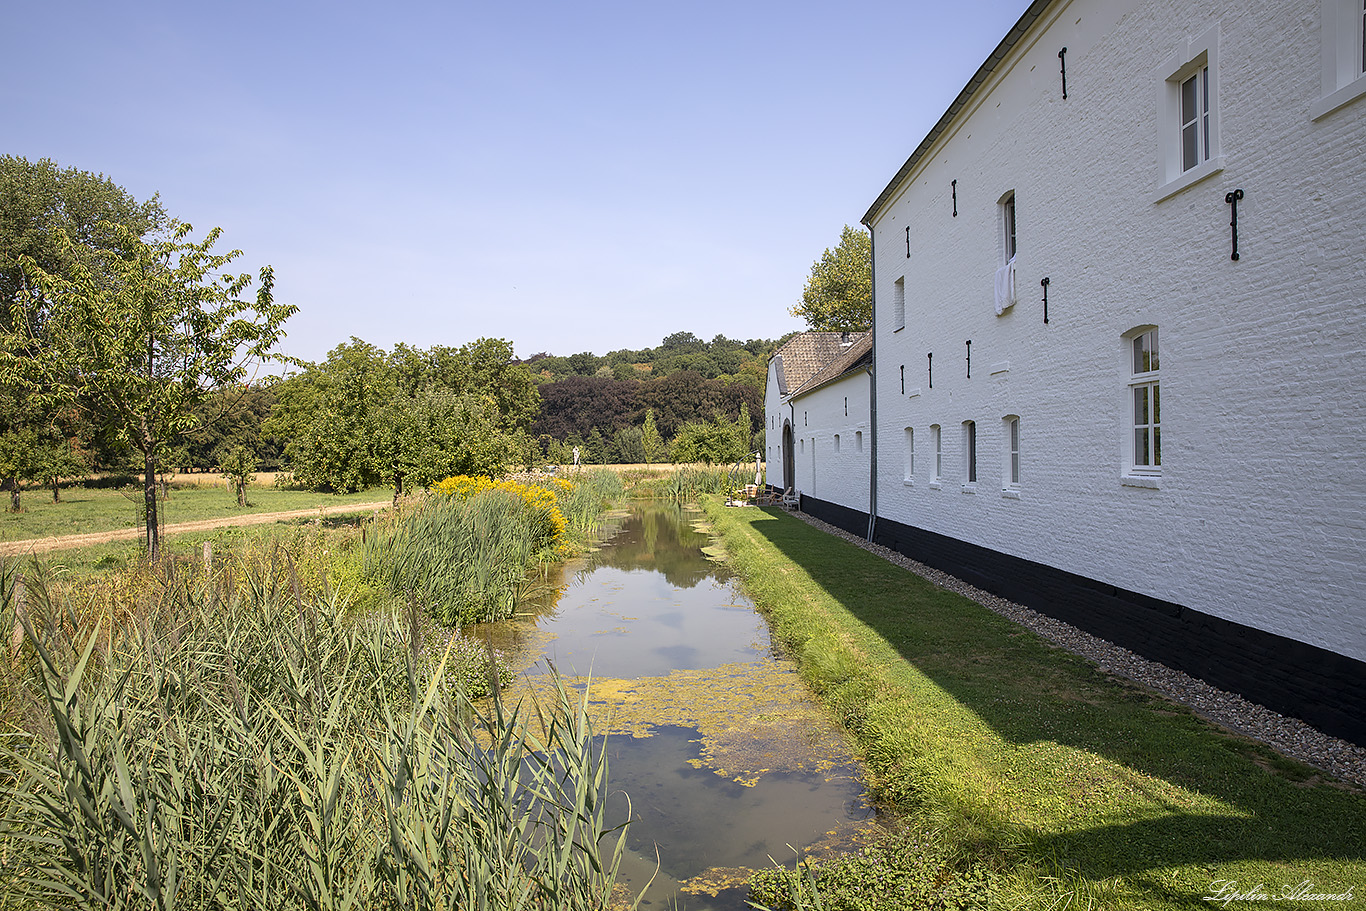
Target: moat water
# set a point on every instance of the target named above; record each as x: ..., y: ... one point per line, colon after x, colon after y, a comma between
x: 728, y: 763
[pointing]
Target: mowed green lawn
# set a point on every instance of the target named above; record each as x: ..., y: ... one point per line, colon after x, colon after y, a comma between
x: 83, y: 510
x: 1079, y: 789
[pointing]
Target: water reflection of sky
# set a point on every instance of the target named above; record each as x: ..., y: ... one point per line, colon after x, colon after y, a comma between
x: 619, y: 623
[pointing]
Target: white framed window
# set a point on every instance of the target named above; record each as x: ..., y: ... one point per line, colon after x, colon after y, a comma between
x: 1008, y: 238
x: 899, y: 304
x: 1005, y: 273
x: 1010, y: 476
x: 1144, y: 403
x: 837, y: 442
x: 1342, y: 55
x: 858, y: 441
x: 937, y: 444
x: 969, y: 453
x: 1188, y: 115
x: 909, y: 476
x: 1195, y: 119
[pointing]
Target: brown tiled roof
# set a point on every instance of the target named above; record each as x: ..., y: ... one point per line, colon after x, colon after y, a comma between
x: 852, y: 357
x: 804, y: 356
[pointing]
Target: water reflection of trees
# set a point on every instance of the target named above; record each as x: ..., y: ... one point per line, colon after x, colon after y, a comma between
x: 659, y: 536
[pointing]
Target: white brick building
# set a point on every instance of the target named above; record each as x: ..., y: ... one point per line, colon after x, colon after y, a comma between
x: 1169, y: 452
x: 817, y: 432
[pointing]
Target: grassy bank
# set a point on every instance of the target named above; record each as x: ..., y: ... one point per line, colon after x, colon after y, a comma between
x: 1021, y: 769
x: 86, y: 510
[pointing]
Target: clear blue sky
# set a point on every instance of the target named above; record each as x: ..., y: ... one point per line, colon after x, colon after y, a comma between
x: 569, y: 176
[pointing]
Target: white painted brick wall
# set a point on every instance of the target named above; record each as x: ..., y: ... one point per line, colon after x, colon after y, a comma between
x: 836, y: 476
x: 1261, y: 512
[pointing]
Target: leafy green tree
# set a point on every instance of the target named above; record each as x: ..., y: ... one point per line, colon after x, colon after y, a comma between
x: 328, y: 415
x: 839, y: 292
x: 652, y: 445
x: 18, y: 449
x: 57, y: 457
x: 406, y: 418
x: 39, y: 202
x: 238, y: 467
x: 142, y: 340
x: 626, y: 447
x: 719, y: 441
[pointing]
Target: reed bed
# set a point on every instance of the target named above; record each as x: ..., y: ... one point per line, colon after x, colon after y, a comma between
x: 686, y: 483
x: 243, y: 742
x: 465, y: 550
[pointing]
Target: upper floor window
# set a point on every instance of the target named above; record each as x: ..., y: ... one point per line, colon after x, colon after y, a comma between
x: 899, y: 304
x: 1188, y: 114
x: 1008, y: 225
x: 1195, y: 119
x: 1145, y: 395
x: 1005, y: 274
x: 1342, y: 55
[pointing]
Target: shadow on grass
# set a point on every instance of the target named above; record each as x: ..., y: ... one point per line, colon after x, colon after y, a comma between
x: 1203, y: 803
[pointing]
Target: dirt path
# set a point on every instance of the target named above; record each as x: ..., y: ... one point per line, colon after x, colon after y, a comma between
x: 43, y: 545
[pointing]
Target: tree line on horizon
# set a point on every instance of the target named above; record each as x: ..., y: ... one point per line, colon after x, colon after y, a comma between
x: 125, y: 346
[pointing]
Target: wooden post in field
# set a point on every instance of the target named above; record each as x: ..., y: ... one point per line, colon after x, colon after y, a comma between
x: 208, y: 556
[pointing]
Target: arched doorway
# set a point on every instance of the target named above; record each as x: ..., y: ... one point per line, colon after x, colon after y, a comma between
x: 789, y: 474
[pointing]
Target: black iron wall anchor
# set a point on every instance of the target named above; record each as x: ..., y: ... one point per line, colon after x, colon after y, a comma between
x: 1044, y: 281
x: 1232, y: 199
x: 908, y: 241
x: 954, y: 184
x: 930, y: 358
x: 1062, y: 56
x: 969, y: 358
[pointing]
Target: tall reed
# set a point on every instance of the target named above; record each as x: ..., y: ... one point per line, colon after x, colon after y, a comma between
x: 591, y: 493
x: 249, y: 747
x: 688, y: 482
x: 465, y: 559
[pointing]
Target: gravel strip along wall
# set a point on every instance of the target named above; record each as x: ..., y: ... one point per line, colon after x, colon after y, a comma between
x: 1290, y: 736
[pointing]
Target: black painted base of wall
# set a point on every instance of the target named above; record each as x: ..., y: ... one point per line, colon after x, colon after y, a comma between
x: 1321, y: 687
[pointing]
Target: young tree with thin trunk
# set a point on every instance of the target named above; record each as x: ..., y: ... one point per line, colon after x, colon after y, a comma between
x: 238, y: 466
x: 142, y: 338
